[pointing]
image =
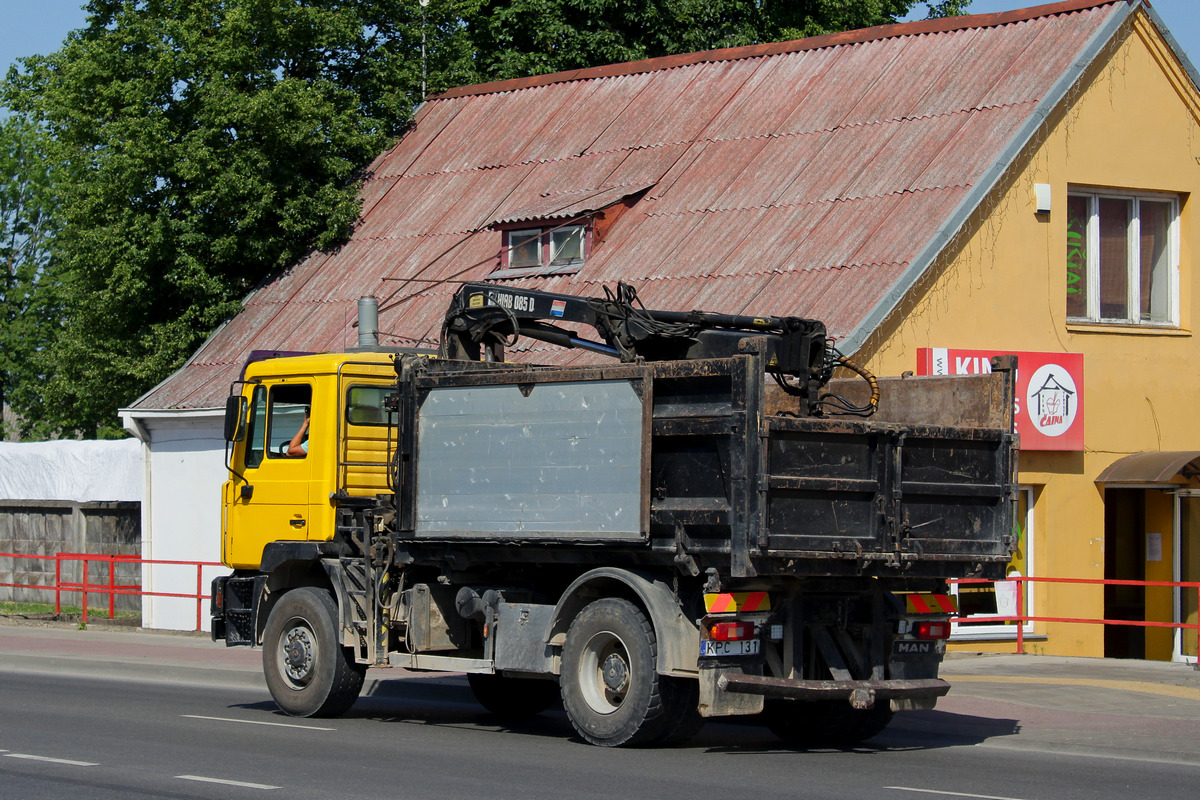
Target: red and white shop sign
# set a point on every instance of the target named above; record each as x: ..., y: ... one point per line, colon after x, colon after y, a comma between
x: 1049, y: 408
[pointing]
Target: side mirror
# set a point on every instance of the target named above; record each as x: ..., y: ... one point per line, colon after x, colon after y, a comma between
x: 235, y: 418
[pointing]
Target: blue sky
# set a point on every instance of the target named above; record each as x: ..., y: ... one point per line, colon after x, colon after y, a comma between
x: 38, y: 26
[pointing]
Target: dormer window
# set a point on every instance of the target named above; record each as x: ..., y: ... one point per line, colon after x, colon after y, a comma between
x: 554, y: 233
x: 556, y: 250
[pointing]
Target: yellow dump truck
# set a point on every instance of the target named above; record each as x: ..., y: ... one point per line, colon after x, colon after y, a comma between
x: 709, y: 526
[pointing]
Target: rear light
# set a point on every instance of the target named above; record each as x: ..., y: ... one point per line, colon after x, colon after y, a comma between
x: 931, y: 630
x: 731, y: 631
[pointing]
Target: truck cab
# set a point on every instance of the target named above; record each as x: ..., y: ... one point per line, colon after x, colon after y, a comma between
x: 278, y: 492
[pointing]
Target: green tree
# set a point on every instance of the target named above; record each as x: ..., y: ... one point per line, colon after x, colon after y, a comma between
x: 514, y: 38
x: 29, y: 289
x: 199, y: 146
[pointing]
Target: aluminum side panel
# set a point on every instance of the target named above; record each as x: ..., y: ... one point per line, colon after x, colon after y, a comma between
x: 563, y: 461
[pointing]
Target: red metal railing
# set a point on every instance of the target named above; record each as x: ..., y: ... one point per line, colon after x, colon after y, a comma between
x: 112, y: 589
x: 108, y: 586
x: 1021, y: 618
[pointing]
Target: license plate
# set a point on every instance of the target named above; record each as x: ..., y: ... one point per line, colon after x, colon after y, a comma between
x: 747, y: 647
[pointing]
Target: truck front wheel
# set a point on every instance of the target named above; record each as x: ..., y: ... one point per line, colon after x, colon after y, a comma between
x: 308, y: 672
x: 610, y: 688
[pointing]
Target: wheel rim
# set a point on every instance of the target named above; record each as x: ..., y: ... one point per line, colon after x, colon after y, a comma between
x: 298, y: 654
x: 604, y: 674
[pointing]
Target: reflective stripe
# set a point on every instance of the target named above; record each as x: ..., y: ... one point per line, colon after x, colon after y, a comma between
x: 727, y: 602
x: 931, y: 603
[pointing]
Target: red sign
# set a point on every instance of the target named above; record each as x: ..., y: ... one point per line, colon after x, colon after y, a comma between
x: 1049, y: 408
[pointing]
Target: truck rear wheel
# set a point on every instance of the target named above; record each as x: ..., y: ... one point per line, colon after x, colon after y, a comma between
x: 610, y: 688
x: 824, y: 723
x: 308, y: 672
x: 513, y: 698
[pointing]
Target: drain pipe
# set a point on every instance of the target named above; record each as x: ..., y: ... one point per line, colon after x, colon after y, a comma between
x: 368, y: 322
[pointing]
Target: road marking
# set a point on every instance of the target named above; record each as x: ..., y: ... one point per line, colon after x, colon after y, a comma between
x: 51, y: 760
x: 1182, y: 692
x: 950, y: 794
x: 259, y: 722
x: 224, y: 782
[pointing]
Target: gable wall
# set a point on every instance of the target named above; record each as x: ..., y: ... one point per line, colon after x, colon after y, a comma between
x: 1130, y: 124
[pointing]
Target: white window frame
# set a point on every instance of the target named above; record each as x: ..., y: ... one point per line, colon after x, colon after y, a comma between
x: 520, y: 237
x: 1001, y: 630
x: 558, y: 237
x: 1133, y: 258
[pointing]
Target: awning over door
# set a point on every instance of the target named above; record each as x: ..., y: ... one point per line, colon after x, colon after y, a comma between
x: 1156, y: 466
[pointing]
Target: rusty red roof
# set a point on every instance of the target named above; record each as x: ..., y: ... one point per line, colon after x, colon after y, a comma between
x: 817, y: 178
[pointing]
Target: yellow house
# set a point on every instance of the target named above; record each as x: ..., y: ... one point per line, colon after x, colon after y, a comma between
x: 934, y: 192
x: 1087, y: 245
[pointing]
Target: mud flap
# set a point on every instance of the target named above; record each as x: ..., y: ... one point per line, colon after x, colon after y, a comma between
x: 715, y: 701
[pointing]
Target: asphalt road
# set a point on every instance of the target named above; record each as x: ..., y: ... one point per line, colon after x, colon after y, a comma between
x: 64, y: 737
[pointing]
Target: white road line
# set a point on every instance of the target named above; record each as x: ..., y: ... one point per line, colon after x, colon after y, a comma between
x: 950, y: 794
x: 224, y: 782
x: 259, y: 722
x: 51, y: 760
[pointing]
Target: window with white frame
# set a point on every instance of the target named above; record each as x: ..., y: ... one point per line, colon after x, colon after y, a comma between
x: 542, y: 251
x: 980, y: 603
x: 1122, y: 257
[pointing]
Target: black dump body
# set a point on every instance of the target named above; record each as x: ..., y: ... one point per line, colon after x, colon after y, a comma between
x: 705, y: 464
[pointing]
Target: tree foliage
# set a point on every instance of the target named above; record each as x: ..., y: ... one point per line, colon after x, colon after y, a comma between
x: 30, y: 286
x: 513, y: 38
x: 198, y: 146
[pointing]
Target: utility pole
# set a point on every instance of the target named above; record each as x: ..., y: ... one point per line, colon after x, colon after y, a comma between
x: 424, y: 4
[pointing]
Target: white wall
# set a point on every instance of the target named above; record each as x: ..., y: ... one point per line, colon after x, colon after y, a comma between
x: 181, y: 516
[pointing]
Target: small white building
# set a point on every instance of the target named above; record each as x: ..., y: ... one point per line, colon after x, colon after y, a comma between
x: 184, y: 458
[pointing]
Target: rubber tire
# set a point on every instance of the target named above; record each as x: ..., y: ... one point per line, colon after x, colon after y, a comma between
x: 330, y: 682
x: 825, y: 723
x: 616, y: 632
x: 513, y: 698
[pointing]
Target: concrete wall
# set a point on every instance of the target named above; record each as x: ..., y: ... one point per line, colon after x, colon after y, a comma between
x: 46, y: 527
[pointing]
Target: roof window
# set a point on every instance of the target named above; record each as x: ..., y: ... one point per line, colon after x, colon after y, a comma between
x: 558, y: 250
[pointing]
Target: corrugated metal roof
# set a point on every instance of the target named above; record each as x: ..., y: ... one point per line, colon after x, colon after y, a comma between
x: 815, y: 177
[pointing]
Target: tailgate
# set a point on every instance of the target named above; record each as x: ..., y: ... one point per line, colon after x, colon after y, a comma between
x: 885, y: 491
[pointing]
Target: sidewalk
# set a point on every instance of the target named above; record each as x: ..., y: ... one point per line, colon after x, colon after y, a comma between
x: 1145, y: 710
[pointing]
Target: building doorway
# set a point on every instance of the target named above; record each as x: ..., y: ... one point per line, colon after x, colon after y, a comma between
x: 1125, y: 559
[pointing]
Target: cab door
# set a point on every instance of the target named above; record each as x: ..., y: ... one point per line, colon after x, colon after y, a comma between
x: 272, y: 504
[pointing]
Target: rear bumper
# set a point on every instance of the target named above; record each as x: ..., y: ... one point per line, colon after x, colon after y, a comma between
x: 861, y: 694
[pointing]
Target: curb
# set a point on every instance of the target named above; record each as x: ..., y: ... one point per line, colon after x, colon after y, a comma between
x: 143, y: 671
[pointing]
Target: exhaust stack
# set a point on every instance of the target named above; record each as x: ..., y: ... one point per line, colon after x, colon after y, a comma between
x: 368, y: 322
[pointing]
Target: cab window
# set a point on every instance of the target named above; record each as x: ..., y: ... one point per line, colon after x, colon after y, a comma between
x: 256, y: 428
x: 287, y: 417
x: 364, y: 405
x: 277, y: 427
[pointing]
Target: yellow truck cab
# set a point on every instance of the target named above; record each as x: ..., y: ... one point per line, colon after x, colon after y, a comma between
x: 275, y: 495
